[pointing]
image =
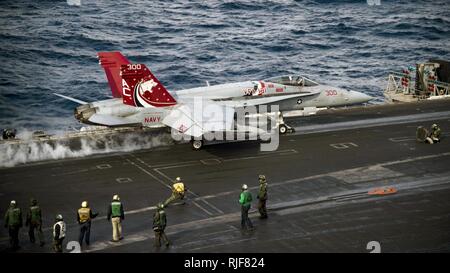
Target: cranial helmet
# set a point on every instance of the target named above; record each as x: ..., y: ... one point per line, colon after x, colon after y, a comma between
x: 116, y: 197
x: 434, y: 126
x: 244, y: 187
x: 160, y: 206
x: 59, y: 217
x: 178, y: 179
x: 84, y: 204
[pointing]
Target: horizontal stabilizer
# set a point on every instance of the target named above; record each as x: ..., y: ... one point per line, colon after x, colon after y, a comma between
x: 70, y: 98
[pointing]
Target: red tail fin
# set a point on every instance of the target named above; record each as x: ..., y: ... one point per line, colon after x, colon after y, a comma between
x: 142, y: 89
x: 111, y: 62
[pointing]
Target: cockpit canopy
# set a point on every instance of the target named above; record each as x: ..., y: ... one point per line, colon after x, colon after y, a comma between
x: 294, y: 80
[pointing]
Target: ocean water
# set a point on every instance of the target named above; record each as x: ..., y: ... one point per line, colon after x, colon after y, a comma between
x: 50, y: 46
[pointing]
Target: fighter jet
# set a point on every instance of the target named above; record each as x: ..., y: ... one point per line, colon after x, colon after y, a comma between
x: 140, y: 99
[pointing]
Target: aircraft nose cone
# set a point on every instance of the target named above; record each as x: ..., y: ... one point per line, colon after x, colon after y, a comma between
x: 358, y: 97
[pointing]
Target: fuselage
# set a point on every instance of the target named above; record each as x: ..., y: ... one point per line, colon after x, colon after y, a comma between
x: 287, y: 92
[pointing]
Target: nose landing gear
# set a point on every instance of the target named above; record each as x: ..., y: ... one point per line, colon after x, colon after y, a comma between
x: 196, y: 144
x: 283, y: 128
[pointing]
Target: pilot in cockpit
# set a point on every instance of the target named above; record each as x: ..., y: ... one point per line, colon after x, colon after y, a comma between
x: 255, y: 88
x: 250, y: 92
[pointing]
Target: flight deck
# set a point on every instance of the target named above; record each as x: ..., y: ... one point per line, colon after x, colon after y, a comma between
x: 318, y: 178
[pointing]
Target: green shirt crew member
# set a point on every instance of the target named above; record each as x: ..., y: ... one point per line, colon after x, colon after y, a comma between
x: 262, y: 197
x: 435, y: 133
x: 34, y: 221
x: 245, y: 199
x: 159, y: 225
x: 13, y: 221
x: 116, y: 214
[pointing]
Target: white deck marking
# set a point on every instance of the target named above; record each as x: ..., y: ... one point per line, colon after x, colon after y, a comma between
x: 171, y: 180
x: 211, y: 161
x: 147, y: 172
x: 124, y: 180
x: 167, y: 165
x: 282, y: 152
x: 191, y: 192
x: 202, y: 208
x: 296, y: 180
x: 401, y: 139
x: 345, y: 145
x: 104, y: 166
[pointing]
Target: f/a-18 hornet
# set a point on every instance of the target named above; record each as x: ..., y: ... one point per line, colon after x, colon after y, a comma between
x: 140, y: 99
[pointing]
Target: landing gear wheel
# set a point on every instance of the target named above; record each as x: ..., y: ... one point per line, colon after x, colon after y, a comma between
x: 197, y: 144
x: 282, y: 129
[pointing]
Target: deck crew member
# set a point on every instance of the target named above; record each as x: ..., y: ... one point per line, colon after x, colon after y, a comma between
x: 84, y: 217
x: 245, y: 199
x: 178, y: 192
x: 116, y: 214
x: 262, y: 196
x: 13, y: 221
x: 159, y: 225
x: 34, y: 221
x: 435, y: 133
x: 429, y: 137
x: 59, y: 233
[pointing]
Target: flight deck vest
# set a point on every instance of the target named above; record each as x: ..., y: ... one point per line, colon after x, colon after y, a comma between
x: 14, y: 217
x: 162, y: 219
x: 62, y: 229
x: 35, y: 214
x: 262, y: 191
x: 115, y: 209
x: 179, y: 187
x: 436, y: 133
x: 84, y: 214
x: 159, y: 220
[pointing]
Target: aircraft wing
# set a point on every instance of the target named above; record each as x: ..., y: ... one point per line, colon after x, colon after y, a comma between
x: 198, y: 116
x: 257, y: 100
